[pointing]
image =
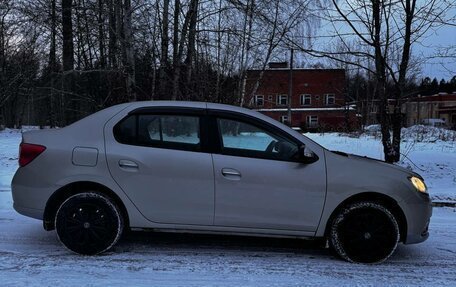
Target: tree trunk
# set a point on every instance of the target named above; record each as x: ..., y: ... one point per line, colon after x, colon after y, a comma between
x: 52, y: 64
x: 403, y: 67
x: 101, y: 40
x: 180, y: 51
x: 176, y: 60
x: 67, y: 30
x: 88, y: 39
x: 380, y: 72
x: 112, y: 33
x: 248, y: 23
x: 129, y: 60
x: 396, y: 142
x: 219, y: 49
x: 119, y: 31
x: 164, y: 64
x: 191, y: 40
x: 67, y: 57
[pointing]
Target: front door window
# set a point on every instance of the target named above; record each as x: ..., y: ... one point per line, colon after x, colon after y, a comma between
x: 242, y: 139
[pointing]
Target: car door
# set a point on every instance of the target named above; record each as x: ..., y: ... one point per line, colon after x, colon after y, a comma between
x: 156, y: 158
x: 259, y: 182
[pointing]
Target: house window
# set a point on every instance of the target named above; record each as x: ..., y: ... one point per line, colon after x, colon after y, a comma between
x: 259, y: 100
x: 312, y: 121
x: 330, y: 99
x: 282, y: 100
x: 306, y: 100
x: 374, y: 109
x: 284, y: 119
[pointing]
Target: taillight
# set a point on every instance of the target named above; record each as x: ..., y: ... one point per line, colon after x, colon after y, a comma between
x: 28, y: 152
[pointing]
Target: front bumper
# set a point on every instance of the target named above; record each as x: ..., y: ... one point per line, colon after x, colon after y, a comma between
x: 418, y: 220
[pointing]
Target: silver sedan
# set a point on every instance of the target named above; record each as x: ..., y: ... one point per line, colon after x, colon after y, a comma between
x: 211, y: 168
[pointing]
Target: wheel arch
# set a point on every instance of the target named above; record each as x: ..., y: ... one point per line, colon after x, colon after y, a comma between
x: 60, y: 195
x: 376, y: 197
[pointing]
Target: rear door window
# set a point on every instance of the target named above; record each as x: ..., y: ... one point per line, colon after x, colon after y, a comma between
x: 163, y: 131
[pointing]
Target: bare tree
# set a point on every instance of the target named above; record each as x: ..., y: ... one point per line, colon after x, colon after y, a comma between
x: 385, y: 32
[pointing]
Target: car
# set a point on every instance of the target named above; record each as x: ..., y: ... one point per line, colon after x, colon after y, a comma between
x: 210, y: 168
x: 439, y: 123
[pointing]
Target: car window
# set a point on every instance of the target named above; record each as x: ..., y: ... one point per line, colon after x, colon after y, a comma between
x: 177, y: 129
x: 125, y: 131
x: 168, y: 131
x: 243, y: 139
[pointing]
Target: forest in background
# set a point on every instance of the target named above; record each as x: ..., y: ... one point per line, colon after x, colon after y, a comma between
x: 61, y: 60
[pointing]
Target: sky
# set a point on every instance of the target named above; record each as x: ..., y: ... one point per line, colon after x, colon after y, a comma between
x: 424, y: 51
x: 439, y: 68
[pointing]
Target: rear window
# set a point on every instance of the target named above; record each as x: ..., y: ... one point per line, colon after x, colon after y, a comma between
x: 163, y: 131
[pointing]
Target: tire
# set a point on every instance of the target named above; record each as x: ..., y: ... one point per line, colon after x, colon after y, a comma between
x: 364, y: 232
x: 89, y: 223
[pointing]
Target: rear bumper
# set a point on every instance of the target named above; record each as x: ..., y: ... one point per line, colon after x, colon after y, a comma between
x: 418, y: 220
x: 28, y: 196
x: 30, y: 212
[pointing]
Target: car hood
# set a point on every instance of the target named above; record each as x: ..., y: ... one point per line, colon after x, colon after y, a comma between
x: 377, y: 162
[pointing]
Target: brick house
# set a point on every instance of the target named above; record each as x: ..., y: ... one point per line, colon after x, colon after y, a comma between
x: 439, y: 106
x: 317, y: 102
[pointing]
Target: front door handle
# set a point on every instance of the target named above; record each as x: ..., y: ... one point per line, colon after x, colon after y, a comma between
x: 128, y: 164
x: 231, y: 173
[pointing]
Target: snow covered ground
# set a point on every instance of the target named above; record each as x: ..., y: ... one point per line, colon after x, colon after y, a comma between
x: 30, y: 256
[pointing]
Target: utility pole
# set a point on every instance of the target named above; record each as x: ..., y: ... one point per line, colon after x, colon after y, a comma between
x: 290, y: 87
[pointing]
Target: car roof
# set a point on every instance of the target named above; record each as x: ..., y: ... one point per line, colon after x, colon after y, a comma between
x: 187, y: 104
x: 198, y: 105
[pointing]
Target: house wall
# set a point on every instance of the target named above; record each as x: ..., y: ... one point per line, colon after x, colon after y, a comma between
x: 316, y: 82
x: 431, y: 107
x: 327, y: 120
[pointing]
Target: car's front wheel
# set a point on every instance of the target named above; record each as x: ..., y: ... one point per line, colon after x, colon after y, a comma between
x: 89, y: 223
x: 364, y: 232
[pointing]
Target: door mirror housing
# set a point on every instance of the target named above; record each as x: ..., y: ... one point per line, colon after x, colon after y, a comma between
x: 305, y: 155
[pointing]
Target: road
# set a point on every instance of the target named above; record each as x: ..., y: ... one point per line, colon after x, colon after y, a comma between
x: 30, y: 256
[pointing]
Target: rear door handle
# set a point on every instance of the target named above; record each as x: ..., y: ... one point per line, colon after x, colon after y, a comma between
x: 128, y: 164
x: 230, y: 173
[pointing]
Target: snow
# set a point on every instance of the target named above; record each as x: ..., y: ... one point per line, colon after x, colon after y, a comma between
x: 9, y: 151
x: 30, y: 256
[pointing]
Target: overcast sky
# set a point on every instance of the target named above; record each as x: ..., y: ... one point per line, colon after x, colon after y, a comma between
x: 439, y: 68
x: 424, y: 51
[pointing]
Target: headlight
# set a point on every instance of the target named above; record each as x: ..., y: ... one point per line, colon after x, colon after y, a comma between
x: 418, y: 184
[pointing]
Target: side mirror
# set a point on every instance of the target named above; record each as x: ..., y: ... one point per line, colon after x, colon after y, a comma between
x: 305, y: 155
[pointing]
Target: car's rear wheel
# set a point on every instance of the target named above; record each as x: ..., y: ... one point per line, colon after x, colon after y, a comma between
x: 89, y: 223
x: 364, y: 232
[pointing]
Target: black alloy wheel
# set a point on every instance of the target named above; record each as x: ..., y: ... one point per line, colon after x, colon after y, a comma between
x: 89, y: 223
x: 364, y: 232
